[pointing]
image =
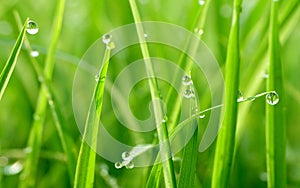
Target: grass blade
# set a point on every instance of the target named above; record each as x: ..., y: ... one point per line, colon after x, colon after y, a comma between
x: 275, y: 128
x: 189, y: 159
x: 12, y: 61
x: 84, y: 176
x: 66, y: 141
x: 162, y: 131
x: 27, y: 178
x: 226, y: 138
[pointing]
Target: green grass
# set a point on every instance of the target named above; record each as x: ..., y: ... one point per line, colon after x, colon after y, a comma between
x: 257, y: 145
x: 275, y: 127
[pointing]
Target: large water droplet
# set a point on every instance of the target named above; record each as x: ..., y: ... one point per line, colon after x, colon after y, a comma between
x: 118, y: 165
x: 202, y: 116
x: 201, y: 2
x: 272, y: 98
x: 130, y: 165
x: 188, y: 93
x: 32, y: 27
x: 34, y: 53
x: 126, y: 155
x: 106, y: 39
x: 187, y: 80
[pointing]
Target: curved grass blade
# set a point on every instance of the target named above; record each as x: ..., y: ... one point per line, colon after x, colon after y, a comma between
x: 27, y: 178
x: 275, y: 127
x: 85, y: 169
x: 162, y: 131
x: 226, y: 139
x: 12, y: 61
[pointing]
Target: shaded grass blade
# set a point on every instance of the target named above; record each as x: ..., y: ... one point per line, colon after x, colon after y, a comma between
x: 27, y: 178
x: 162, y: 131
x: 12, y: 61
x: 85, y: 169
x: 226, y: 139
x: 275, y: 128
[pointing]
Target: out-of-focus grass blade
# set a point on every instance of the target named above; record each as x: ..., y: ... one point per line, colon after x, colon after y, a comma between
x: 275, y: 128
x: 226, y: 139
x: 28, y: 176
x: 85, y: 169
x: 66, y: 141
x: 12, y: 60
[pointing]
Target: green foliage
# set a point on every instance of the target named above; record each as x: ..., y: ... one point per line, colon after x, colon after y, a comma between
x: 256, y: 46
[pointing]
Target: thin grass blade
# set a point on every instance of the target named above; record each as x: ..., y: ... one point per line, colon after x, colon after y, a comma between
x: 12, y: 61
x: 162, y: 131
x: 226, y: 139
x: 27, y: 178
x: 275, y: 128
x: 85, y: 169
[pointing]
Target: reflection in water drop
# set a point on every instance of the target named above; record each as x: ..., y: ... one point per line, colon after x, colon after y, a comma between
x: 32, y: 27
x: 272, y: 98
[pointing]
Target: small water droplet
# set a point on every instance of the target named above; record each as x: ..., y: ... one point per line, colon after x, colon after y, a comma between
x: 187, y: 80
x: 201, y: 2
x: 126, y: 155
x: 240, y: 97
x: 188, y: 94
x: 32, y: 27
x: 202, y: 116
x: 272, y: 98
x: 27, y: 150
x: 263, y: 176
x: 198, y: 31
x: 106, y: 39
x: 118, y: 165
x: 97, y: 77
x: 130, y: 165
x: 145, y: 35
x: 104, y: 170
x: 34, y: 53
x: 51, y: 103
x: 36, y: 117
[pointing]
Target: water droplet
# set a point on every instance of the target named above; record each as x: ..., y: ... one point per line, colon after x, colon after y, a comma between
x: 188, y: 94
x: 145, y: 35
x: 202, y: 116
x: 198, y: 31
x: 130, y: 165
x: 118, y: 165
x: 187, y: 80
x: 36, y: 117
x: 51, y: 103
x: 240, y: 97
x: 272, y: 98
x: 263, y: 176
x: 27, y: 150
x: 106, y: 39
x: 201, y: 2
x: 32, y: 27
x: 13, y: 169
x: 97, y: 77
x: 34, y: 53
x: 126, y: 155
x: 104, y: 170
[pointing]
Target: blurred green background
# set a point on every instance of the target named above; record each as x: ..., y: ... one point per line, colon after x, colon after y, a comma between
x: 85, y: 22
